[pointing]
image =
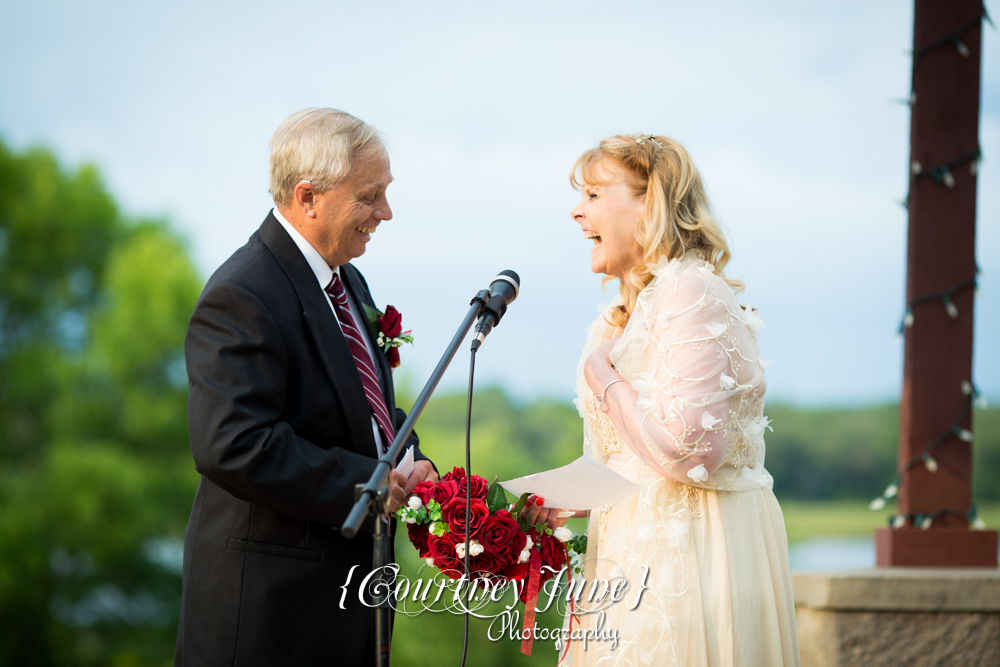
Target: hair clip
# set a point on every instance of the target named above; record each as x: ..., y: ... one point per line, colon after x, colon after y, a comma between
x: 641, y: 140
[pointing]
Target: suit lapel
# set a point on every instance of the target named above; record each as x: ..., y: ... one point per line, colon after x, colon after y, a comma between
x: 357, y: 289
x: 335, y: 355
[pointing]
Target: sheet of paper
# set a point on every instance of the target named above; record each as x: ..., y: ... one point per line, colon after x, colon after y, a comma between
x: 406, y: 463
x: 584, y: 484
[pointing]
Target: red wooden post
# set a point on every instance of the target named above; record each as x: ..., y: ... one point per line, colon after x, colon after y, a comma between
x: 944, y: 144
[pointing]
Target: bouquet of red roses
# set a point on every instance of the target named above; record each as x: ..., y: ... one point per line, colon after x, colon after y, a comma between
x: 500, y: 543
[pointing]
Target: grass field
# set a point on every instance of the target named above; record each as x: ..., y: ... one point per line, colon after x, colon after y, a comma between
x: 805, y: 520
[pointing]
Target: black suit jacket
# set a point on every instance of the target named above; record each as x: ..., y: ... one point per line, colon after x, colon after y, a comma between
x: 280, y: 432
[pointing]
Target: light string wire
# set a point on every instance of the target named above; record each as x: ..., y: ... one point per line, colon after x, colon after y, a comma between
x: 945, y: 299
x: 925, y: 457
x: 940, y: 174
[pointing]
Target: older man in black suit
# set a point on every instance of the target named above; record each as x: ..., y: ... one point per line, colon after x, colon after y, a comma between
x: 291, y: 403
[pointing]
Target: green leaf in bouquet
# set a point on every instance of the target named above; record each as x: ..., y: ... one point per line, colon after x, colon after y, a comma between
x: 519, y: 505
x: 578, y: 544
x: 496, y: 497
x: 433, y: 510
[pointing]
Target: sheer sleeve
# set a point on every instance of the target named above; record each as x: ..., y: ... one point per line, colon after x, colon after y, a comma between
x: 693, y: 364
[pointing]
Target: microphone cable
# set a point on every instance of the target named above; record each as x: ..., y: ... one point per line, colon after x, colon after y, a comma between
x: 468, y: 500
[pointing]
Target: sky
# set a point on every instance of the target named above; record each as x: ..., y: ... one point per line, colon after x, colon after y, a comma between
x: 789, y: 109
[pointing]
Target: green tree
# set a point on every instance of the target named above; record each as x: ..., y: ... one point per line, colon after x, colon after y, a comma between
x: 97, y: 473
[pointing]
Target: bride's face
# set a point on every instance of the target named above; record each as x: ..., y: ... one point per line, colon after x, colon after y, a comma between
x: 609, y: 213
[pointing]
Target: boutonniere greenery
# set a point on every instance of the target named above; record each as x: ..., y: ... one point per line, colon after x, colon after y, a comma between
x: 388, y: 326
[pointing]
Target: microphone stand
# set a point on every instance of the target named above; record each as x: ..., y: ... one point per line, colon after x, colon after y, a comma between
x: 374, y: 494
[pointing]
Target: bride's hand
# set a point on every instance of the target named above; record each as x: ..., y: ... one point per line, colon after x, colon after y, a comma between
x: 597, y: 370
x: 538, y: 513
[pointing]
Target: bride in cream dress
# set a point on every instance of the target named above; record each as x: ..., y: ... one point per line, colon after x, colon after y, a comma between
x: 671, y: 387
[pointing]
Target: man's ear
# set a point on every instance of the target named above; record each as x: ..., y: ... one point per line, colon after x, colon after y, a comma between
x: 304, y: 198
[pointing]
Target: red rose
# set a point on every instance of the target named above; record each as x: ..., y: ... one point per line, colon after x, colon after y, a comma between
x: 516, y: 571
x: 390, y: 323
x: 501, y: 535
x: 486, y: 564
x: 423, y: 491
x: 479, y: 485
x: 453, y: 513
x: 442, y: 550
x: 419, y: 536
x: 553, y: 555
x: 393, y: 355
x: 445, y: 490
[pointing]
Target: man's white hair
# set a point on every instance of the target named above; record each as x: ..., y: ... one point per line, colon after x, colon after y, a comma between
x: 319, y: 146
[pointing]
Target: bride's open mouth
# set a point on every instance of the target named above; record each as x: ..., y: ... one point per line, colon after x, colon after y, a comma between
x: 593, y: 236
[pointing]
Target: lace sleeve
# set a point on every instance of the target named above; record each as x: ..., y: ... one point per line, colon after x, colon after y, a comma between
x: 689, y: 373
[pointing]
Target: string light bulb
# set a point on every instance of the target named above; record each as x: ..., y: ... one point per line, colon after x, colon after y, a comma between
x: 950, y: 307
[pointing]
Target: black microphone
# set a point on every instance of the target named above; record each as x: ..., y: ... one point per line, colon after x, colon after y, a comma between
x: 503, y: 290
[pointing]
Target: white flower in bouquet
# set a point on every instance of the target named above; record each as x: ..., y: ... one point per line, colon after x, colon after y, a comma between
x: 429, y: 561
x: 415, y: 503
x: 438, y: 528
x: 562, y: 533
x: 525, y: 554
x: 475, y: 548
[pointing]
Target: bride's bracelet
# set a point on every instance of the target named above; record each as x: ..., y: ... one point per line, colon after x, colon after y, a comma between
x: 600, y: 399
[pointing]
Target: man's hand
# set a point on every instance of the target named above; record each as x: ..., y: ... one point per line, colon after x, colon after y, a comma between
x: 422, y: 470
x: 397, y: 496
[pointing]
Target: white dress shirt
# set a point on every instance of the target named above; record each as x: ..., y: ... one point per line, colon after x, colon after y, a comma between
x: 324, y: 274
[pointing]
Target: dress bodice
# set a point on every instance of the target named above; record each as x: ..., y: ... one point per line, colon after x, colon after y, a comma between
x: 690, y: 351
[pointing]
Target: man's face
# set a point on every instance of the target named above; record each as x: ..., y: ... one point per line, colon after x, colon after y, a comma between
x: 348, y: 215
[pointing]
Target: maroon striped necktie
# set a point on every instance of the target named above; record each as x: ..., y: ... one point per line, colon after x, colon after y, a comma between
x: 363, y: 360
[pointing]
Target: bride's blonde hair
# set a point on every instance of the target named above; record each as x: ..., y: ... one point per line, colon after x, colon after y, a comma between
x: 677, y: 218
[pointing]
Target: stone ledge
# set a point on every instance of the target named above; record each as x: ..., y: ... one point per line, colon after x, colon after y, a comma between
x: 900, y: 589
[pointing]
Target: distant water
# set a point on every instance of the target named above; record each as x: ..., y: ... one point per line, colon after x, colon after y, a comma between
x: 832, y: 553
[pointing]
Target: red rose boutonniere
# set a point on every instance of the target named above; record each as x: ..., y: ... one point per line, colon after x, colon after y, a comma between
x: 389, y: 328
